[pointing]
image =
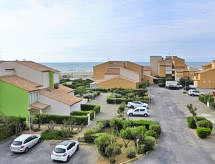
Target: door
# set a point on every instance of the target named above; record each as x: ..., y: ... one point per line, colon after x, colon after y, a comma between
x: 136, y: 112
x: 142, y: 111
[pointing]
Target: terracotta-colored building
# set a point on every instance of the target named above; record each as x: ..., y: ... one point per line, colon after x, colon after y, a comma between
x: 206, y: 77
x: 117, y: 74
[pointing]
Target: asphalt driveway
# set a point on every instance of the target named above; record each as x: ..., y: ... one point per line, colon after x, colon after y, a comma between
x: 178, y: 144
x: 40, y: 154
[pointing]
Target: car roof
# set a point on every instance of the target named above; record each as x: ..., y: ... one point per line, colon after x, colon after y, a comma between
x: 140, y: 108
x: 23, y: 137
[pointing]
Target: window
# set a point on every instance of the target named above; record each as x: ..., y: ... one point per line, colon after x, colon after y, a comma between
x: 17, y: 143
x: 137, y: 110
x: 59, y: 150
x: 34, y: 97
x: 142, y: 110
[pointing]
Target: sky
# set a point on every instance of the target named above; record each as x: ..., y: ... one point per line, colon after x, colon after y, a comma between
x: 101, y: 30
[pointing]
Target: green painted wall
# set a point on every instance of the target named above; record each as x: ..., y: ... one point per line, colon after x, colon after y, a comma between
x: 51, y: 79
x: 13, y: 101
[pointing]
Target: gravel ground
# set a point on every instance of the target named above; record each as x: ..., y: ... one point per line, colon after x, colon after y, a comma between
x: 178, y: 144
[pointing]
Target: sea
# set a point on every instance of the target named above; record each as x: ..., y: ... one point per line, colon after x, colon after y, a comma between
x: 88, y: 66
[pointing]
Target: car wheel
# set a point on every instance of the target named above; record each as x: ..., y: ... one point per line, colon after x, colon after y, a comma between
x: 145, y: 115
x: 130, y: 114
x: 67, y: 159
x: 26, y: 149
x: 77, y: 148
x: 39, y: 141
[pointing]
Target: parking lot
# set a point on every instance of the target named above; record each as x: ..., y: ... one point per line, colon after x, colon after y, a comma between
x: 40, y: 154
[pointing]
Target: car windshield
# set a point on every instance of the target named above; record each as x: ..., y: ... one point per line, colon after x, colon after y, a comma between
x: 17, y: 143
x: 196, y: 91
x: 59, y: 150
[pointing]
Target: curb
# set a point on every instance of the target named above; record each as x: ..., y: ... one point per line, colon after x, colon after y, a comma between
x: 133, y: 159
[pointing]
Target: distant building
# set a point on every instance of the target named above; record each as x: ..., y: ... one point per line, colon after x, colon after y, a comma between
x: 206, y: 77
x: 26, y: 85
x: 171, y: 66
x: 117, y: 74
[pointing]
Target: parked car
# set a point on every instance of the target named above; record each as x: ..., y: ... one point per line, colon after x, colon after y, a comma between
x: 64, y: 150
x: 187, y: 88
x: 24, y: 142
x: 139, y: 111
x: 135, y: 104
x: 192, y: 92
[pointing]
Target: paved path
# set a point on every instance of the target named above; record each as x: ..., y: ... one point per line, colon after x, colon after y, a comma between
x: 178, y: 144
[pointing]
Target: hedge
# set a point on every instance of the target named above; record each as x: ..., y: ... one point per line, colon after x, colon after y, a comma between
x: 191, y: 122
x: 46, y: 118
x: 87, y: 107
x: 205, y: 124
x: 83, y: 113
x: 53, y: 135
x: 203, y: 132
x: 11, y: 126
x: 156, y: 128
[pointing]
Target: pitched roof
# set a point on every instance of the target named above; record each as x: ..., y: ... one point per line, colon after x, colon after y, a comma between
x: 20, y: 82
x: 64, y: 88
x: 119, y: 76
x: 60, y: 96
x: 37, y: 66
x: 39, y: 106
x: 165, y: 63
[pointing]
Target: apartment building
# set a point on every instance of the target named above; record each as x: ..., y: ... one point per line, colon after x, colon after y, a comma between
x: 206, y: 77
x: 117, y: 74
x: 26, y: 86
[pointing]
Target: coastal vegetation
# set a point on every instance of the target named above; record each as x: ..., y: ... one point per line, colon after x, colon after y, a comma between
x: 125, y: 137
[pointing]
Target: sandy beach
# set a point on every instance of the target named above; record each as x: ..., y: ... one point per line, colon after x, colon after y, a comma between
x: 77, y: 75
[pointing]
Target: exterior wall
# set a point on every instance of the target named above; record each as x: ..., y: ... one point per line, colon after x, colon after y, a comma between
x: 130, y: 74
x: 99, y: 71
x: 206, y: 79
x: 107, y: 77
x: 56, y: 107
x: 135, y: 68
x: 7, y: 65
x: 161, y: 71
x: 45, y: 79
x: 117, y: 82
x: 149, y: 79
x: 147, y: 72
x: 56, y: 78
x: 77, y: 106
x: 154, y: 60
x: 13, y: 101
x: 29, y: 74
x: 168, y: 70
x: 51, y: 79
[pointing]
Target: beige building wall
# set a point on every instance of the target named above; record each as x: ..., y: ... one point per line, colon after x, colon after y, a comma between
x: 99, y: 71
x: 136, y: 68
x: 130, y: 74
x: 117, y: 82
x: 161, y: 70
x: 205, y: 79
x: 5, y: 68
x: 154, y: 60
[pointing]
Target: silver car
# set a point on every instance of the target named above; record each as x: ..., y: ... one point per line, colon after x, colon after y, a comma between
x: 24, y: 142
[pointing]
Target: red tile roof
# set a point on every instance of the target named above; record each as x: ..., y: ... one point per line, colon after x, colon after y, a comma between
x: 39, y: 106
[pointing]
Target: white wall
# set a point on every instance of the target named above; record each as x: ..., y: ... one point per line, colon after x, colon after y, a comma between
x: 45, y: 79
x: 7, y: 65
x: 77, y: 106
x: 56, y: 107
x: 129, y: 74
x: 107, y: 77
x: 28, y: 73
x: 168, y: 70
x: 56, y: 77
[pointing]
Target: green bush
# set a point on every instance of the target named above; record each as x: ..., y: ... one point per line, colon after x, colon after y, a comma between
x: 121, y: 108
x: 117, y: 124
x: 205, y: 124
x: 53, y: 135
x: 141, y: 149
x: 80, y: 120
x: 191, y: 122
x: 130, y: 152
x: 11, y: 126
x: 151, y: 133
x: 149, y: 143
x: 97, y: 109
x: 87, y: 107
x: 46, y: 118
x: 203, y: 132
x: 88, y: 136
x: 156, y: 128
x: 83, y: 113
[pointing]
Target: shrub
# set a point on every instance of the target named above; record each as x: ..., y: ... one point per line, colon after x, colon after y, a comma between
x: 203, y: 132
x: 141, y: 149
x: 88, y: 136
x: 145, y: 123
x: 205, y: 124
x: 130, y: 152
x: 97, y: 108
x: 53, y: 135
x: 87, y: 107
x: 151, y: 133
x: 80, y: 120
x: 83, y: 113
x: 191, y: 122
x: 149, y: 143
x: 46, y: 118
x: 156, y: 128
x: 117, y: 124
x: 121, y: 108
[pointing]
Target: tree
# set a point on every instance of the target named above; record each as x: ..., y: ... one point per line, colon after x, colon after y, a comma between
x: 126, y: 135
x: 107, y: 146
x: 193, y: 112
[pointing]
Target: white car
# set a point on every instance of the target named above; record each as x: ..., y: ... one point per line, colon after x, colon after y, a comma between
x: 135, y: 104
x: 24, y: 142
x: 192, y: 92
x: 64, y: 150
x: 139, y: 111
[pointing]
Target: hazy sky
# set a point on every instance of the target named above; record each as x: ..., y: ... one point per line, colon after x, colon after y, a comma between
x: 100, y: 30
